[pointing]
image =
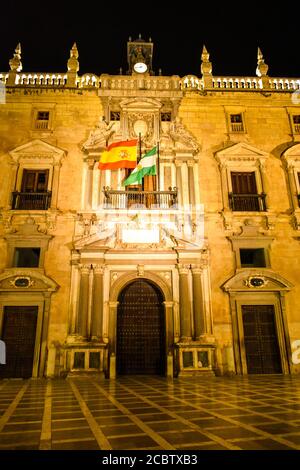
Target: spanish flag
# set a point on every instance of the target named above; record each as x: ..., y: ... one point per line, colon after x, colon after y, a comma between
x: 119, y: 155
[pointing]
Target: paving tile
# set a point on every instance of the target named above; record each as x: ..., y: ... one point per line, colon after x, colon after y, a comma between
x: 188, y: 437
x: 74, y: 433
x: 136, y: 442
x: 295, y: 438
x: 232, y: 432
x: 121, y: 430
x: 169, y: 426
x: 66, y: 424
x: 277, y: 428
x: 263, y: 444
x: 76, y: 445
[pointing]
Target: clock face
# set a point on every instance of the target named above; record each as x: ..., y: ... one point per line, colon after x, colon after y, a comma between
x: 140, y: 67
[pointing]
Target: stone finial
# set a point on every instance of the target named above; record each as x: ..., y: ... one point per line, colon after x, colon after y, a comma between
x: 206, y: 65
x: 73, y: 63
x: 262, y: 68
x: 15, y: 63
x: 205, y: 54
x: 206, y: 69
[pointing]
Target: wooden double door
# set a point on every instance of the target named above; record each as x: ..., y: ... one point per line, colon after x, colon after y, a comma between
x: 19, y: 335
x: 141, y: 330
x: 261, y: 341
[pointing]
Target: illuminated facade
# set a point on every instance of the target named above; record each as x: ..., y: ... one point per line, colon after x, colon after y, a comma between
x: 194, y: 272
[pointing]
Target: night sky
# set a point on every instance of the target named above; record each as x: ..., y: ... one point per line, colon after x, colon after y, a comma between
x: 230, y: 32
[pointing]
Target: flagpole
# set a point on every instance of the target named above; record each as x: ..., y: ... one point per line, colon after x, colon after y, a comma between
x: 140, y: 147
x: 158, y: 168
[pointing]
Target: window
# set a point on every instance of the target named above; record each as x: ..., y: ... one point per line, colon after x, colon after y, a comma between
x: 26, y: 257
x: 34, y: 194
x: 252, y: 258
x: 244, y: 196
x: 236, y: 123
x: 42, y: 120
x: 165, y: 117
x: 296, y: 123
x: 115, y: 115
x: 34, y: 181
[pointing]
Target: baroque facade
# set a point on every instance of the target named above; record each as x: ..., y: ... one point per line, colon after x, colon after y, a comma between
x: 194, y: 272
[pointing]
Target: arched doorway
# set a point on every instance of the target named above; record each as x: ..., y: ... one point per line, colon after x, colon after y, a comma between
x: 141, y: 345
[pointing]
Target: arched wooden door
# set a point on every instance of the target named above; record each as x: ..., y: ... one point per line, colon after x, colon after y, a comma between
x: 141, y: 329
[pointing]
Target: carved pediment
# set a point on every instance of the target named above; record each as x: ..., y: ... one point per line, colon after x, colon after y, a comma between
x: 37, y: 149
x: 140, y: 105
x: 26, y: 279
x: 98, y: 241
x: 257, y: 279
x: 241, y: 151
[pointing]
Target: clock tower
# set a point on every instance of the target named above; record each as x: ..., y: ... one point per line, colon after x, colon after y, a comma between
x: 139, y: 56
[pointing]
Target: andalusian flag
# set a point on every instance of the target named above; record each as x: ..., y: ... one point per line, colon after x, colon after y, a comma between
x: 119, y: 155
x: 146, y: 166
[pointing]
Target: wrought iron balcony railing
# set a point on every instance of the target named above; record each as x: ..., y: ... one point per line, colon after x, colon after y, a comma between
x: 31, y: 201
x: 115, y: 199
x: 247, y: 202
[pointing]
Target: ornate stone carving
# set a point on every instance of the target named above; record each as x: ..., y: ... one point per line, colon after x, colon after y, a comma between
x: 22, y: 282
x: 140, y: 270
x: 181, y: 137
x: 141, y: 123
x: 256, y: 282
x: 99, y: 136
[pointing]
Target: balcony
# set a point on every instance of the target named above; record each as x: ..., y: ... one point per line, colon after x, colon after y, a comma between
x: 247, y: 202
x: 31, y: 201
x: 115, y: 199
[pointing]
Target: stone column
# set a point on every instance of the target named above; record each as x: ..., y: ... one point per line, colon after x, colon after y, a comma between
x: 178, y: 165
x: 224, y: 184
x: 185, y: 305
x: 170, y: 337
x: 190, y: 165
x: 55, y: 182
x: 293, y: 186
x: 263, y: 179
x: 97, y: 304
x: 83, y: 307
x: 47, y: 296
x: 198, y: 309
x: 13, y: 184
x: 89, y: 186
x: 112, y: 333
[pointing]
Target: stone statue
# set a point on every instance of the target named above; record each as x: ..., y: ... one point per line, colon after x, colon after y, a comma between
x: 182, y: 136
x: 99, y: 136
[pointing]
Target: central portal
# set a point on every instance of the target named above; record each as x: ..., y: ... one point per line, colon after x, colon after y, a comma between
x: 141, y: 329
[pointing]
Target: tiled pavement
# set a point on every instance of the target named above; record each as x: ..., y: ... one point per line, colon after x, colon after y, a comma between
x: 251, y: 413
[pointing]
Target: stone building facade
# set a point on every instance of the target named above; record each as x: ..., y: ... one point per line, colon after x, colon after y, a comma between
x: 194, y: 272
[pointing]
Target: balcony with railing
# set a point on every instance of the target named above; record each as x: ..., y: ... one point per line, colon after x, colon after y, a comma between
x: 31, y: 201
x: 247, y: 202
x: 115, y: 199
